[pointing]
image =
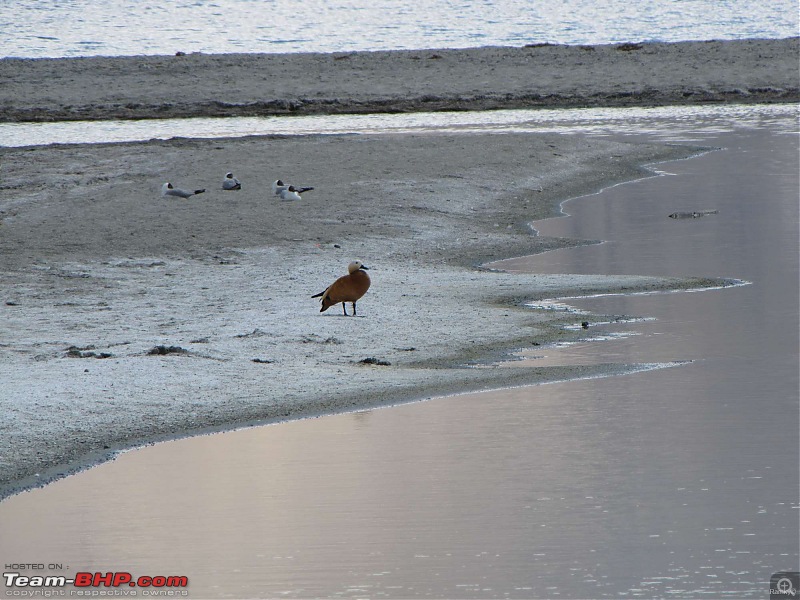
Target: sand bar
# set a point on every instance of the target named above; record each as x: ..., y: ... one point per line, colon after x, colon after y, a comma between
x: 97, y: 270
x: 199, y: 85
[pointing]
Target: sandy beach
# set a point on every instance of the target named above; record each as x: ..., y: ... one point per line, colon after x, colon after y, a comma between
x: 99, y: 271
x: 198, y: 85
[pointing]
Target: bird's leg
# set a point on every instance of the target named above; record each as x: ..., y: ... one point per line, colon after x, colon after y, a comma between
x: 344, y: 309
x: 354, y: 309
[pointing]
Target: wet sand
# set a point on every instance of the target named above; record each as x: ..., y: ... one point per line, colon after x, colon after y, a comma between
x: 97, y: 270
x: 198, y: 85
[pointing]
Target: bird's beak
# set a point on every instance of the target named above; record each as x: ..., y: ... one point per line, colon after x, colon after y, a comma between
x: 365, y: 267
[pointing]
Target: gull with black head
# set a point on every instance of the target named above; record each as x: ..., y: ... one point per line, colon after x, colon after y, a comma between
x: 170, y: 190
x: 278, y: 187
x: 230, y: 182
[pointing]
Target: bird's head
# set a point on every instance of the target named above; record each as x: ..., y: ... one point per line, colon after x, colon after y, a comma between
x: 356, y: 265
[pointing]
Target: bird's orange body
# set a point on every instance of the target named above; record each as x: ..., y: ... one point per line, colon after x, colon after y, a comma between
x: 348, y: 288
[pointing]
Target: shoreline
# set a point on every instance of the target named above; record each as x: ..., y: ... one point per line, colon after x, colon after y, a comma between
x: 97, y: 269
x: 98, y: 265
x: 536, y: 76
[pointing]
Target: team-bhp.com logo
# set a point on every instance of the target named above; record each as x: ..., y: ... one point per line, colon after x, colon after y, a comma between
x: 89, y: 584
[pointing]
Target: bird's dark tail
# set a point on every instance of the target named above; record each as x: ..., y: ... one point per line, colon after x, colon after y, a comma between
x: 320, y: 294
x: 199, y: 191
x: 300, y: 190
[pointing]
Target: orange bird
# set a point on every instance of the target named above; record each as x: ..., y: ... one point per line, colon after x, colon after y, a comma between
x: 348, y: 288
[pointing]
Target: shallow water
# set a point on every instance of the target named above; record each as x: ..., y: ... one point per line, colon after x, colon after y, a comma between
x: 677, y: 482
x: 666, y: 123
x: 36, y: 28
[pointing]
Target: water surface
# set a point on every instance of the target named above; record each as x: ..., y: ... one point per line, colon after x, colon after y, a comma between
x: 665, y: 123
x: 36, y: 29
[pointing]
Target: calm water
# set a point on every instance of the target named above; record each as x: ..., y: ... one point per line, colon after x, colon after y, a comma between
x: 680, y: 482
x: 40, y: 28
x: 667, y: 123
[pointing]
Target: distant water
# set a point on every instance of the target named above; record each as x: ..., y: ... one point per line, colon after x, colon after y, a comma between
x: 38, y: 28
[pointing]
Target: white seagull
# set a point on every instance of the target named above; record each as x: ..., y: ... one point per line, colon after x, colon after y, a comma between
x: 278, y: 186
x: 290, y: 193
x: 230, y: 182
x: 169, y: 190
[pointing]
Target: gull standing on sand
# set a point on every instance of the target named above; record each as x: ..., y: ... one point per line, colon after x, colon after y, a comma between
x: 278, y: 186
x: 348, y: 288
x: 230, y: 182
x: 169, y: 190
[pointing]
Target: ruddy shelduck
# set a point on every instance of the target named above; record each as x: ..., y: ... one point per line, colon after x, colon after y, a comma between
x: 348, y: 288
